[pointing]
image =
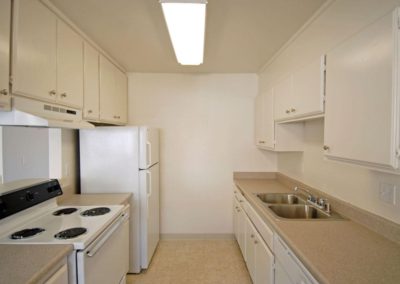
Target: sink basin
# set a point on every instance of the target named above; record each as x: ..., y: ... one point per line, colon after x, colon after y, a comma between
x: 280, y: 198
x: 301, y: 212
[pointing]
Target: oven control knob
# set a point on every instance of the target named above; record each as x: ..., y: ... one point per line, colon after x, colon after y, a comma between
x: 29, y: 196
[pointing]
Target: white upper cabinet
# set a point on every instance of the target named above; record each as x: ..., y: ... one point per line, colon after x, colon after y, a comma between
x: 283, y: 91
x: 309, y: 89
x: 301, y: 94
x: 362, y: 97
x: 5, y: 21
x: 273, y: 136
x: 34, y: 50
x: 69, y: 66
x: 264, y: 120
x: 47, y: 56
x: 91, y: 83
x: 113, y: 93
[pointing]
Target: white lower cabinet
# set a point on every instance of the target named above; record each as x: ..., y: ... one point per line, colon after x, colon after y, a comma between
x: 259, y: 258
x: 281, y: 275
x: 240, y: 226
x: 264, y: 263
x: 268, y: 259
x: 254, y: 240
x: 290, y: 267
x: 250, y: 241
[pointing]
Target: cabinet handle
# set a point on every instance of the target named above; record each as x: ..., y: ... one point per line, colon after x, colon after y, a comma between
x: 292, y: 110
x: 90, y: 111
x: 287, y: 111
x: 52, y: 93
x: 326, y: 147
x: 261, y: 142
x: 63, y: 95
x: 117, y: 117
x: 255, y: 242
x: 4, y: 92
x: 252, y: 236
x: 240, y: 201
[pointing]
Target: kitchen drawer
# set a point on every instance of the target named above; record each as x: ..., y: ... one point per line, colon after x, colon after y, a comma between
x: 290, y: 263
x: 266, y: 233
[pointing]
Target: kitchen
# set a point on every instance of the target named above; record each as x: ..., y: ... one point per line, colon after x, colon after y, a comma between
x: 207, y: 127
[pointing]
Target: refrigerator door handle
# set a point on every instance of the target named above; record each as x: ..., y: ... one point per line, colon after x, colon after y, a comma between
x: 148, y: 183
x: 148, y: 154
x: 148, y: 189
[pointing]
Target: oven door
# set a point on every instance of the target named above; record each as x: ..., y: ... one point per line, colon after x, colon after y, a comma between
x: 106, y: 259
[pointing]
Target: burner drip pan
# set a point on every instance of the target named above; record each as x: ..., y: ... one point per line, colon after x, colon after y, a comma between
x: 96, y: 211
x: 70, y: 233
x: 26, y: 233
x: 65, y: 211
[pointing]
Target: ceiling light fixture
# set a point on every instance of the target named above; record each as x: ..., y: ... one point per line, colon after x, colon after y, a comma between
x: 186, y: 22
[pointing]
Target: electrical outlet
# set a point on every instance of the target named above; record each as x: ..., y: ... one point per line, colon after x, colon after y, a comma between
x: 387, y: 193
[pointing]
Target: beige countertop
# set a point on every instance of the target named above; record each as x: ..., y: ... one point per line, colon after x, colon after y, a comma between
x: 29, y: 263
x: 97, y: 199
x: 335, y: 252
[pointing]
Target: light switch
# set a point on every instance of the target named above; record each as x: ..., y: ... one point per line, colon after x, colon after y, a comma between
x: 387, y: 193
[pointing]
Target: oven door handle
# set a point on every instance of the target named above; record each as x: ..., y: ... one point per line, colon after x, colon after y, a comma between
x: 95, y: 247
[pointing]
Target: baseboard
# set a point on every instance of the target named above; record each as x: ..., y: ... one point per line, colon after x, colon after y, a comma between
x: 197, y: 237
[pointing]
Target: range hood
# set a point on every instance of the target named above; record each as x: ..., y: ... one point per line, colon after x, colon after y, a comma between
x: 28, y: 112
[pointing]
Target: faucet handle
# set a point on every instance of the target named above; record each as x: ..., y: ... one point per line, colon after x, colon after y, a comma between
x: 321, y: 201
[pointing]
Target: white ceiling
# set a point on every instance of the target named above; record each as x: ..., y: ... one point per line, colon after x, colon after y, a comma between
x: 241, y: 35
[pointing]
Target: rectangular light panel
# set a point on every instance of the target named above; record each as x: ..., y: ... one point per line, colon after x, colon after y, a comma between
x: 186, y: 26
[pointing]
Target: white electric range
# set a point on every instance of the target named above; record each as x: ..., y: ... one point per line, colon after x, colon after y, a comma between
x: 100, y: 234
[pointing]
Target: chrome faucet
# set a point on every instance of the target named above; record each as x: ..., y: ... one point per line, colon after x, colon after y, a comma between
x: 319, y: 202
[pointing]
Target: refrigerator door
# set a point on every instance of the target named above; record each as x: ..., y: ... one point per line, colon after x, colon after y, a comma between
x: 149, y: 213
x: 109, y: 163
x: 149, y: 147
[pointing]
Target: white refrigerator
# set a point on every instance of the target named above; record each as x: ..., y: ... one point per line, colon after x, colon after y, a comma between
x: 126, y: 160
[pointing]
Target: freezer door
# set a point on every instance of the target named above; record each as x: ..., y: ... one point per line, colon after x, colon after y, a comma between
x: 149, y: 213
x: 149, y: 147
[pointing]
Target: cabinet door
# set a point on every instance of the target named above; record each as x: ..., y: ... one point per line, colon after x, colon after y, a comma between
x: 281, y: 276
x: 264, y: 263
x: 258, y: 120
x: 283, y: 99
x: 121, y: 103
x: 107, y: 90
x: 69, y: 66
x: 91, y: 92
x: 361, y: 118
x: 34, y: 50
x: 5, y: 21
x: 309, y: 89
x: 241, y: 223
x: 236, y: 208
x: 264, y: 120
x: 250, y: 241
x: 268, y: 119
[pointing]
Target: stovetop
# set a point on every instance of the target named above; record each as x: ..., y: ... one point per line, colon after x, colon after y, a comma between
x: 63, y: 225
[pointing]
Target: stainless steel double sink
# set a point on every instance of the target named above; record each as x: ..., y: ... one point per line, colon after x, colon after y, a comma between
x: 292, y: 206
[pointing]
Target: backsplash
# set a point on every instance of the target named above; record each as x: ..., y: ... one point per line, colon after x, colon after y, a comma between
x: 359, y: 186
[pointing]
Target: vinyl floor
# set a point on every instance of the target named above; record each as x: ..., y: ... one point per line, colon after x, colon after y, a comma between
x: 195, y: 261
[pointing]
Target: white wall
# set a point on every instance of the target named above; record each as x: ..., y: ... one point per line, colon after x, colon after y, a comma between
x: 31, y: 152
x: 70, y: 162
x: 353, y: 184
x: 206, y: 124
